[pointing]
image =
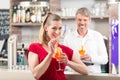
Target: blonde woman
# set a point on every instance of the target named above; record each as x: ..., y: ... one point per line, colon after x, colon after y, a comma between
x: 41, y: 61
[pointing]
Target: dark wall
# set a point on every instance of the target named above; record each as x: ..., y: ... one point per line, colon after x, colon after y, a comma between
x: 4, y: 23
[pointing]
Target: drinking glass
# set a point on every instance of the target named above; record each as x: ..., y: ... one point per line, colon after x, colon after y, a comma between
x: 82, y: 51
x: 57, y: 57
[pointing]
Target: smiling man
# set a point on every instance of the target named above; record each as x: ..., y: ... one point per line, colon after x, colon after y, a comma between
x: 88, y: 41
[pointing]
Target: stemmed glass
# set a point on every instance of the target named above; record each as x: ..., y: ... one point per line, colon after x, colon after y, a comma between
x: 82, y: 51
x: 57, y: 57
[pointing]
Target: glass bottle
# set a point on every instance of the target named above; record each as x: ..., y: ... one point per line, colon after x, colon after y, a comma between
x: 33, y: 15
x: 22, y: 16
x: 38, y: 18
x: 27, y: 19
x: 14, y: 14
x: 18, y: 13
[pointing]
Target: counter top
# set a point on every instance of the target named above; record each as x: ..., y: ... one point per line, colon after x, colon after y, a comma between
x: 92, y: 76
x: 6, y: 74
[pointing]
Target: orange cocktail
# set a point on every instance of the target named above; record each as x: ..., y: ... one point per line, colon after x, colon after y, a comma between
x: 57, y: 57
x: 58, y: 54
x: 81, y: 51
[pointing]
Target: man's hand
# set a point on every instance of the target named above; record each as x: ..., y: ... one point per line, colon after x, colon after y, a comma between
x: 86, y: 57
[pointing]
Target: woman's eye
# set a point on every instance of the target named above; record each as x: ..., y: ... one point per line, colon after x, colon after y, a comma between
x: 54, y: 28
x: 60, y: 28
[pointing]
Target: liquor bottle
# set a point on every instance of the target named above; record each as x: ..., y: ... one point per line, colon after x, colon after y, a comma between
x: 22, y: 16
x: 18, y: 58
x: 23, y: 48
x: 33, y: 15
x: 14, y: 14
x: 38, y: 18
x: 18, y: 13
x: 27, y: 15
x: 22, y: 55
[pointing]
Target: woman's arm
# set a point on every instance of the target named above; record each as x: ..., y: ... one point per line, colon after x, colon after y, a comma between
x: 36, y: 68
x: 33, y: 60
x: 78, y: 65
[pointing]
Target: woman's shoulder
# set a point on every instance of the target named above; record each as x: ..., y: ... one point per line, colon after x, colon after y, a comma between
x: 64, y: 47
x: 35, y: 44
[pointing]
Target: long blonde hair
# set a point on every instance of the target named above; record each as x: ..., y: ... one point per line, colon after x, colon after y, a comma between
x: 43, y: 34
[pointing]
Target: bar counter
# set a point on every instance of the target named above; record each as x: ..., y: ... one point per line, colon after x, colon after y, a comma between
x: 92, y: 76
x: 6, y: 74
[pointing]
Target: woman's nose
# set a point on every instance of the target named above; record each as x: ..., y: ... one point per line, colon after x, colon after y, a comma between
x: 57, y: 31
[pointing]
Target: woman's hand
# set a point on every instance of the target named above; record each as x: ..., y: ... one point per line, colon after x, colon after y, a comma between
x: 64, y: 58
x: 52, y: 45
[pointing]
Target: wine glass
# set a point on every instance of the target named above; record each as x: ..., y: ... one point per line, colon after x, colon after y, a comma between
x: 57, y: 57
x: 82, y: 51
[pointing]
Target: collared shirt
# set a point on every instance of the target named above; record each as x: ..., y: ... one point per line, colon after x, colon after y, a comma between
x: 94, y: 45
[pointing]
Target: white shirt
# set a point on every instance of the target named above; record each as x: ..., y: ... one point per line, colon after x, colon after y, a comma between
x: 93, y: 44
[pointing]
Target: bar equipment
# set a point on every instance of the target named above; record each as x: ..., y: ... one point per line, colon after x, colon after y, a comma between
x: 12, y: 51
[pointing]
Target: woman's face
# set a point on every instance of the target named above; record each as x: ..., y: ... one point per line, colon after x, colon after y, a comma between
x: 54, y: 29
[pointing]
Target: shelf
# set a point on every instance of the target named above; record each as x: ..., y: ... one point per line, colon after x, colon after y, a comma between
x: 100, y: 17
x: 93, y: 17
x: 67, y: 17
x: 25, y: 24
x: 18, y: 48
x: 3, y: 59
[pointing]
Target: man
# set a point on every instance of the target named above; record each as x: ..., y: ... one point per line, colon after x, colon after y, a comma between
x: 88, y: 45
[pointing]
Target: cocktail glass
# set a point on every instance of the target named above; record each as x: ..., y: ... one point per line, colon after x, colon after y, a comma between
x: 82, y: 51
x: 57, y: 57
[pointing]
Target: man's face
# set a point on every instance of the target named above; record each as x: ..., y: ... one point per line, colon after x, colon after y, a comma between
x: 82, y: 22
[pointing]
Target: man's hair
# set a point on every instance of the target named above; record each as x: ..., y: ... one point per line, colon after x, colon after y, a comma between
x: 83, y: 11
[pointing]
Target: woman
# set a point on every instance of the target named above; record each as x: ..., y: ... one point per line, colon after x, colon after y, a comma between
x: 40, y: 56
